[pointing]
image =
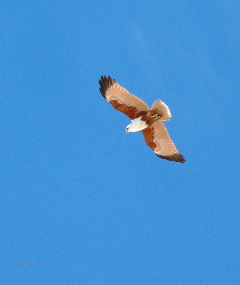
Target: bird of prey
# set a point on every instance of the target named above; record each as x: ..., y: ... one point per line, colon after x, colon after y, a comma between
x: 144, y: 119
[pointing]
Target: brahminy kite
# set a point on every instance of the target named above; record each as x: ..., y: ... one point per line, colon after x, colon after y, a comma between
x: 149, y: 121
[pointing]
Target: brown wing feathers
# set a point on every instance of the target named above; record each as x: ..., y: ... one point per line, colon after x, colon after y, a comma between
x: 157, y: 138
x: 120, y: 98
x: 105, y: 82
x: 178, y: 157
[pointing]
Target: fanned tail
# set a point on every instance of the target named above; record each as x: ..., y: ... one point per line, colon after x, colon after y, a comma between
x: 159, y: 107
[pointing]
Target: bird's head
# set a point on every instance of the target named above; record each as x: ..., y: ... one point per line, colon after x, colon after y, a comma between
x: 128, y: 128
x: 131, y: 128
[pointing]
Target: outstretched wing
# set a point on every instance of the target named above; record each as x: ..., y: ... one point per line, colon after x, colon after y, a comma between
x: 157, y: 138
x: 120, y: 98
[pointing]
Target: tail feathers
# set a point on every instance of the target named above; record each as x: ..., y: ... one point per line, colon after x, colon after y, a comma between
x: 159, y: 107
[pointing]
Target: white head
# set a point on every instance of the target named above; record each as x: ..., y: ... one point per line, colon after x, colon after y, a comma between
x: 131, y: 128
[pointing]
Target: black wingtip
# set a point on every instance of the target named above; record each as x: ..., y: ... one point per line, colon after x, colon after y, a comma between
x: 105, y: 82
x: 178, y: 157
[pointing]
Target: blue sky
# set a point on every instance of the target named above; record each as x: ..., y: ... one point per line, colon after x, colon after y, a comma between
x: 81, y: 201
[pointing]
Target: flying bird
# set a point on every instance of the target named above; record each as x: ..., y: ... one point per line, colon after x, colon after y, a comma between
x: 148, y: 121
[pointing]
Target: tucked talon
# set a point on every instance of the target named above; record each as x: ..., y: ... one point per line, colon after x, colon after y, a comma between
x: 156, y: 116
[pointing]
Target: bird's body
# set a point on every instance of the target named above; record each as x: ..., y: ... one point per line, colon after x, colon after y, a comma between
x: 136, y: 125
x: 147, y: 120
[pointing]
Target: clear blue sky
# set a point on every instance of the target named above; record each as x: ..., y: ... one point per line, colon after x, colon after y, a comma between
x: 81, y: 201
